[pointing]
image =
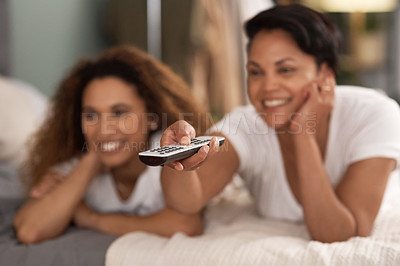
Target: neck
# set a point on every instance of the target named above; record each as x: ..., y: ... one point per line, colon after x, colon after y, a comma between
x: 129, y: 171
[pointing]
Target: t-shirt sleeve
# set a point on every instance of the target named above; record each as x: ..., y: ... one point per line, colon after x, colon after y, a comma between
x: 235, y: 127
x: 377, y: 132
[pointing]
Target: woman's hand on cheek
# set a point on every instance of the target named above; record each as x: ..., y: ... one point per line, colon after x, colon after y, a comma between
x: 318, y: 104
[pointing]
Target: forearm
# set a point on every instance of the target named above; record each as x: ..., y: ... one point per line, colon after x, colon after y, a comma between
x: 165, y: 223
x: 48, y: 216
x: 326, y: 217
x: 182, y: 190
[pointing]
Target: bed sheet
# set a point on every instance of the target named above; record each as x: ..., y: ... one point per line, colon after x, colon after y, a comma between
x: 235, y: 235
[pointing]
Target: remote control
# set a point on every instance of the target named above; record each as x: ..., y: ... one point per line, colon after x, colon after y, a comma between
x: 175, y: 152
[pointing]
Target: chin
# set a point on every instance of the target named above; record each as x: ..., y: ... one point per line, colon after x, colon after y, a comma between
x: 114, y: 160
x: 277, y: 123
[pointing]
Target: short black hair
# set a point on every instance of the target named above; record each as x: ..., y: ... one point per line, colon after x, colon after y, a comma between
x: 314, y: 32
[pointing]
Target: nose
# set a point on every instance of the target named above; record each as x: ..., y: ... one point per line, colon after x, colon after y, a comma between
x: 108, y: 124
x: 270, y: 83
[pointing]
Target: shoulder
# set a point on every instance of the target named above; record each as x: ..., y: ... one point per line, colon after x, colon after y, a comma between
x: 353, y: 96
x: 366, y: 124
x: 242, y: 118
x: 363, y: 104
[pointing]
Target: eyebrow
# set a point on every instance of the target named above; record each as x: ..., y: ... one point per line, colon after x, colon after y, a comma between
x: 121, y: 105
x: 284, y: 60
x: 115, y: 106
x: 277, y: 63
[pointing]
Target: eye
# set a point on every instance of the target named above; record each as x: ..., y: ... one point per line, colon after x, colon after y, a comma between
x: 119, y: 112
x: 286, y: 70
x: 89, y: 116
x: 255, y: 72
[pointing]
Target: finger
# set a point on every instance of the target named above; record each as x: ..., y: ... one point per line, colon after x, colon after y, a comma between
x: 326, y: 89
x: 214, y: 146
x: 168, y: 137
x: 47, y: 184
x: 314, y: 91
x: 181, y: 132
x: 327, y: 84
x: 35, y: 193
x: 197, y: 159
x: 176, y: 165
x: 42, y: 188
x: 185, y: 133
x: 309, y: 90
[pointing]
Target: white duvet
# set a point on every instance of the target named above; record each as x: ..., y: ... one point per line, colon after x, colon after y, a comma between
x: 235, y: 235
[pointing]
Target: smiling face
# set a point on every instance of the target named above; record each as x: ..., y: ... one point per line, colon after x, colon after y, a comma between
x: 113, y: 120
x: 278, y: 73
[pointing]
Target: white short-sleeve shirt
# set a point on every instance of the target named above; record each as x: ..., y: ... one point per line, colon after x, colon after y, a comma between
x: 364, y: 124
x: 102, y: 195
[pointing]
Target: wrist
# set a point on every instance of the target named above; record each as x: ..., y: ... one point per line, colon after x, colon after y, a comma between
x: 92, y: 220
x: 301, y: 138
x: 93, y: 163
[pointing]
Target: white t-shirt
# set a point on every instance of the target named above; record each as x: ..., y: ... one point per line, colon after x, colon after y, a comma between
x: 364, y: 124
x: 102, y: 195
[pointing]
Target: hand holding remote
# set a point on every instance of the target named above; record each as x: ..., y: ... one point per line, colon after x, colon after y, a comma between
x: 182, y: 132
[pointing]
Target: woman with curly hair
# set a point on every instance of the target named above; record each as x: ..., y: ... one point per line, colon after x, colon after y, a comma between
x: 84, y: 165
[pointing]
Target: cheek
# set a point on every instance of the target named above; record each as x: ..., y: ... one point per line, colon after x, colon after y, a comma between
x: 90, y: 140
x: 252, y: 90
x: 129, y: 124
x: 89, y: 130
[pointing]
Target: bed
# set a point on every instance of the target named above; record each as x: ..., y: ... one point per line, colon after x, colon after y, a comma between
x: 235, y: 235
x: 76, y: 247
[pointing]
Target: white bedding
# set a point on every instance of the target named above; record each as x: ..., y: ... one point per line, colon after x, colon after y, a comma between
x: 235, y: 235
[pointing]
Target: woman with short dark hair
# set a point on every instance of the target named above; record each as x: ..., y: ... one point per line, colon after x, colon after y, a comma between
x: 308, y: 150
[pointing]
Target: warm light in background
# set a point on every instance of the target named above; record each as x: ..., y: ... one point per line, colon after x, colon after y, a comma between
x: 358, y: 5
x: 353, y: 5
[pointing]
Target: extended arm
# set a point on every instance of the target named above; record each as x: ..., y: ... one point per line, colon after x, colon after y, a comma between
x: 207, y: 173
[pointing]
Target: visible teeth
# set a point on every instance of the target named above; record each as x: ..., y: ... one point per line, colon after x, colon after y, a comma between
x: 273, y: 103
x: 110, y: 146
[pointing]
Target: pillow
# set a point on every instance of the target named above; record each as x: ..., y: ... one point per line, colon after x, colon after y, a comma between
x: 21, y: 112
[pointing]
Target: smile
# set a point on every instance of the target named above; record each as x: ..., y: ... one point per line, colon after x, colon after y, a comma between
x: 275, y: 103
x: 110, y: 146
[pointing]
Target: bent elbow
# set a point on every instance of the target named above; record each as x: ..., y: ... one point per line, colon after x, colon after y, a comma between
x: 190, y: 225
x: 331, y: 238
x: 194, y: 227
x: 26, y: 236
x: 364, y: 231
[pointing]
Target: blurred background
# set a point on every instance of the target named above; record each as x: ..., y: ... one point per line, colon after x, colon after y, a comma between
x: 202, y: 40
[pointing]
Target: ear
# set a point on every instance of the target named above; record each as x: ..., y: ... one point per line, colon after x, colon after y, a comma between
x: 325, y: 71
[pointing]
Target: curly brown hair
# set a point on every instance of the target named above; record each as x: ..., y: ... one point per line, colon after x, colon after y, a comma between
x: 60, y: 138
